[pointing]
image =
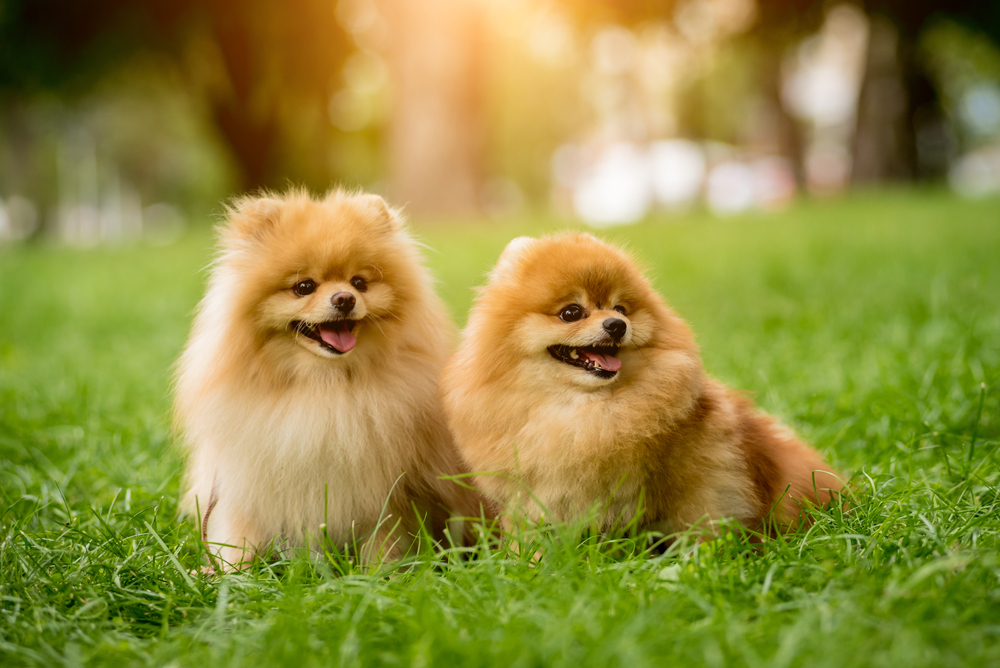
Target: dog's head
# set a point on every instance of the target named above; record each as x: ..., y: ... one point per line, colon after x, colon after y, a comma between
x: 326, y: 278
x: 570, y: 307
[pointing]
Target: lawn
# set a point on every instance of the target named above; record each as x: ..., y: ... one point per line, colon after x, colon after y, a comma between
x: 870, y: 324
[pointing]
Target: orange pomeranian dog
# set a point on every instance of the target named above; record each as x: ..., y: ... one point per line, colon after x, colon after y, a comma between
x: 307, y: 395
x: 577, y: 393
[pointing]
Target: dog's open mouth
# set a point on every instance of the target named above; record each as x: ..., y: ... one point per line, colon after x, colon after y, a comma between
x: 601, y: 361
x: 337, y: 336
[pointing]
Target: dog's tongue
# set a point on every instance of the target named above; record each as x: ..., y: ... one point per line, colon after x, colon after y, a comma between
x: 609, y: 362
x: 338, y: 336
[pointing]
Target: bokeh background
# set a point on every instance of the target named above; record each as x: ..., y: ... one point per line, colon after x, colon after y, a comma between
x: 123, y: 121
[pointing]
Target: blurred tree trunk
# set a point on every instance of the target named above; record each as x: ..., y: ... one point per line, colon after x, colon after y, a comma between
x: 435, y: 135
x: 250, y: 140
x: 883, y: 142
x: 901, y: 133
x: 279, y: 69
x: 249, y: 130
x: 790, y: 141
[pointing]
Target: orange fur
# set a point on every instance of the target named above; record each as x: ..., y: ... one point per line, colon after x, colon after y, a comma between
x: 559, y: 442
x: 274, y: 422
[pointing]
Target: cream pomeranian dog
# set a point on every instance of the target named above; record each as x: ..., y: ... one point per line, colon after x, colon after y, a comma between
x: 307, y: 396
x: 577, y: 393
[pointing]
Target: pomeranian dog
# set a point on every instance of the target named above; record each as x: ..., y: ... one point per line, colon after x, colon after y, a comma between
x: 576, y: 394
x: 308, y: 394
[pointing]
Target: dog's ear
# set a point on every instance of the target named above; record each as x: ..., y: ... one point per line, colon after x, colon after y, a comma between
x: 510, y: 256
x: 380, y: 209
x: 250, y: 218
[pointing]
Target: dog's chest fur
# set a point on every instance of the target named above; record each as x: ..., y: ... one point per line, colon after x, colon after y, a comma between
x: 572, y: 458
x: 580, y: 454
x: 280, y: 457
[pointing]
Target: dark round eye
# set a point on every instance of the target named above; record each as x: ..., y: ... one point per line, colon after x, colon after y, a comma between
x: 359, y: 283
x: 571, y: 313
x: 306, y: 287
x: 620, y: 309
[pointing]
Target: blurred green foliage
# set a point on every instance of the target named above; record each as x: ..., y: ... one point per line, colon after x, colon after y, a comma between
x: 260, y: 73
x: 191, y: 100
x: 959, y: 59
x: 139, y: 124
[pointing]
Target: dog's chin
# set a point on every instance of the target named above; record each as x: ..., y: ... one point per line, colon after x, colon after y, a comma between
x: 330, y: 340
x: 590, y: 366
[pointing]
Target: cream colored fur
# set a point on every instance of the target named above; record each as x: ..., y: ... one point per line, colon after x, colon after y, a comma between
x: 273, y: 424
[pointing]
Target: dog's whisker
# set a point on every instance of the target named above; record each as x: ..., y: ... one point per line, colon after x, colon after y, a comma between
x: 381, y: 276
x: 383, y: 318
x: 375, y: 321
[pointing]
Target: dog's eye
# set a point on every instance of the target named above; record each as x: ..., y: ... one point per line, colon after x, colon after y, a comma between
x: 359, y: 283
x: 620, y: 309
x: 571, y: 313
x: 306, y: 287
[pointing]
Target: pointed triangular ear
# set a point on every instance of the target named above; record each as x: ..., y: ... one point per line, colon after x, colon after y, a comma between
x: 249, y: 218
x: 380, y: 209
x: 510, y: 256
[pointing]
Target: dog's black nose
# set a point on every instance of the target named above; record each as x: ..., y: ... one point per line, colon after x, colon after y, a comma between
x: 343, y: 302
x: 616, y: 327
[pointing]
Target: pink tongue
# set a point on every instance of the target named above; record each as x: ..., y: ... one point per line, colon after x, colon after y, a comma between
x: 341, y: 339
x: 609, y: 362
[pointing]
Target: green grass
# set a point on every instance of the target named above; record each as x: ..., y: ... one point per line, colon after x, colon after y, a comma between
x: 869, y: 324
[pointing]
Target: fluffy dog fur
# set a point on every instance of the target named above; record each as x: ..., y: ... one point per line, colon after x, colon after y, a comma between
x: 276, y: 418
x: 564, y: 435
